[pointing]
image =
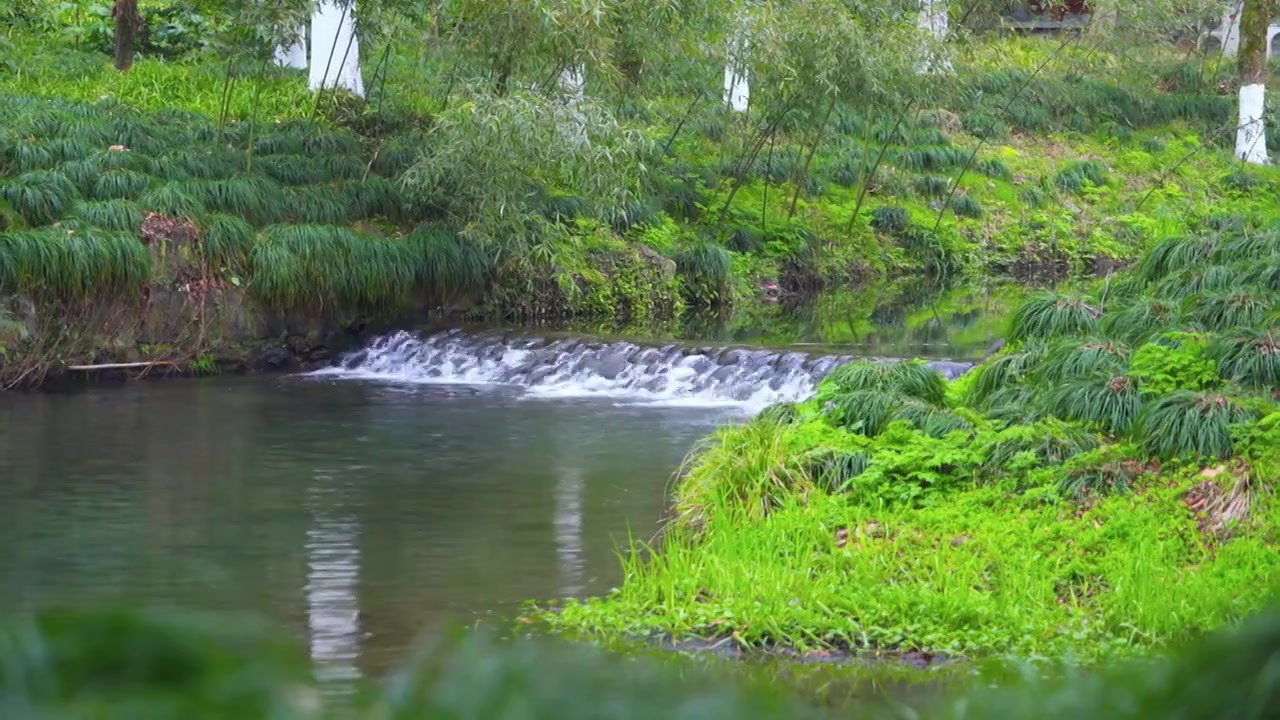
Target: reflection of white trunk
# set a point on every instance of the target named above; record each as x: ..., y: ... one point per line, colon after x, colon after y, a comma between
x: 333, y: 573
x: 932, y: 20
x: 569, y: 531
x: 295, y: 55
x: 335, y: 50
x: 1251, y: 135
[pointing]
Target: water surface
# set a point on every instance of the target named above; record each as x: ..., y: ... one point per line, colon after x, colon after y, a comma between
x: 356, y: 514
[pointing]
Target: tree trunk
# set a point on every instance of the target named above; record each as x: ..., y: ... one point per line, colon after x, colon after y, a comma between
x: 932, y: 20
x: 1251, y: 135
x: 335, y: 49
x: 294, y: 55
x: 128, y: 21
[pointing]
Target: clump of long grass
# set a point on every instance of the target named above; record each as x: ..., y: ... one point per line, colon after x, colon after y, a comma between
x: 41, y: 197
x: 1142, y: 318
x: 315, y: 205
x: 1110, y: 402
x: 171, y: 200
x: 227, y: 241
x: 292, y: 169
x: 1185, y: 423
x: 258, y: 200
x: 120, y: 185
x: 1224, y: 310
x: 331, y: 269
x: 1006, y: 370
x: 865, y: 412
x: 1050, y: 441
x: 449, y: 265
x: 376, y: 197
x: 1249, y: 357
x: 913, y: 379
x: 1073, y: 359
x: 1175, y: 255
x: 704, y: 268
x: 73, y: 262
x: 113, y: 215
x: 1053, y: 315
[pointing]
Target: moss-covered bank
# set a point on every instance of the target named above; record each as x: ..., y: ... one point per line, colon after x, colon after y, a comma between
x: 1103, y: 485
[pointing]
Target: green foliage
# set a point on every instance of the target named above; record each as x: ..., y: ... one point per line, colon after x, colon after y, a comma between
x: 1079, y: 175
x: 172, y: 201
x: 1179, y: 361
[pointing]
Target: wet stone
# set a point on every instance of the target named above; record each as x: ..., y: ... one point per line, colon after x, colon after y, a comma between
x: 538, y: 374
x: 724, y: 373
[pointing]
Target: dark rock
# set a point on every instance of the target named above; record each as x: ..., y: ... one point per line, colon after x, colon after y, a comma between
x: 611, y: 368
x: 277, y: 359
x: 951, y: 370
x: 732, y: 357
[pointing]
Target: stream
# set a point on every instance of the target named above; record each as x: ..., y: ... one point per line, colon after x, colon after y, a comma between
x: 427, y: 479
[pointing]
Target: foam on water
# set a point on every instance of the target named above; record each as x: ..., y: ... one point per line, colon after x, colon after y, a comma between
x: 670, y: 375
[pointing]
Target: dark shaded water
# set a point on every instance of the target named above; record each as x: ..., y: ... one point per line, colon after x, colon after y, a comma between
x: 355, y: 514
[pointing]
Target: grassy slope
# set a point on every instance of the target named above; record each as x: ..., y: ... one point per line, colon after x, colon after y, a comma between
x: 1102, y: 486
x: 1026, y: 203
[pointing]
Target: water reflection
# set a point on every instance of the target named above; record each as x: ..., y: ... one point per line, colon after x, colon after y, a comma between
x: 569, y: 530
x: 356, y: 516
x: 332, y: 590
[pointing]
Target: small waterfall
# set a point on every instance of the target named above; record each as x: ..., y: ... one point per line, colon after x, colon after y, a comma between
x: 667, y: 375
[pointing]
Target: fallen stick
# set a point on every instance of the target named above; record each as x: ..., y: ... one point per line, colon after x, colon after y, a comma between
x: 120, y: 366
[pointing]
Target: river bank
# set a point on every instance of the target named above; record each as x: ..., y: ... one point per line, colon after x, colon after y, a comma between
x: 128, y: 220
x: 1102, y: 486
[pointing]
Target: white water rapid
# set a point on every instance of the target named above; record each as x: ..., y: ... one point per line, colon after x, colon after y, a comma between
x: 750, y: 378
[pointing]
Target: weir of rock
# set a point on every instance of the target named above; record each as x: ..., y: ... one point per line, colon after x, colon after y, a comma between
x: 666, y: 375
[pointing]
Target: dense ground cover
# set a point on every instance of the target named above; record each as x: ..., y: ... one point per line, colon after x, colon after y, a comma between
x: 70, y: 665
x: 1101, y: 485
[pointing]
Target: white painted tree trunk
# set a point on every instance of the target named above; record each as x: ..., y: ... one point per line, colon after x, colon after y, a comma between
x: 573, y: 81
x: 295, y: 55
x: 333, y: 65
x: 1231, y: 29
x: 1251, y: 134
x: 932, y: 20
x: 737, y: 87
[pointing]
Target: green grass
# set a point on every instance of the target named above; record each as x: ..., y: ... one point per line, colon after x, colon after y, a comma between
x: 1100, y: 486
